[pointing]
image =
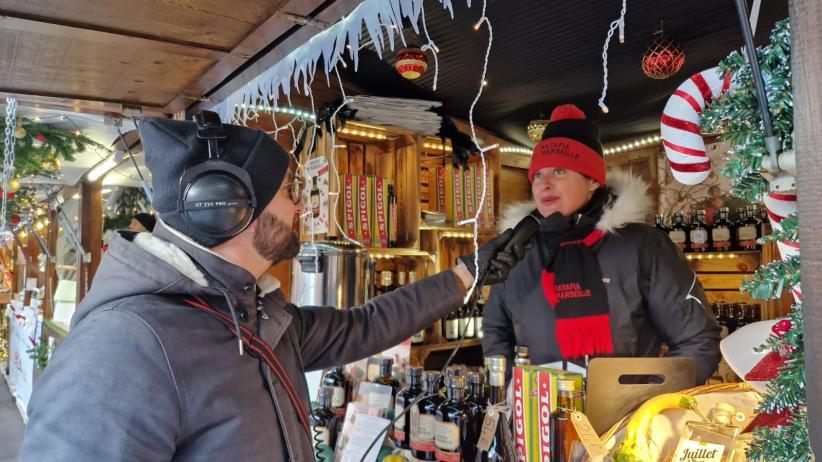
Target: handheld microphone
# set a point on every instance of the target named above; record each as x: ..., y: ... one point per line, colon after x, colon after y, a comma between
x: 523, y: 231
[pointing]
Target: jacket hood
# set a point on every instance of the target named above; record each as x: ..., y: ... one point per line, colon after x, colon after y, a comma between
x: 165, y: 262
x: 630, y: 205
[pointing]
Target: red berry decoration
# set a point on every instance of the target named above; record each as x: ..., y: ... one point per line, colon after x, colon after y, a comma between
x: 41, y: 138
x: 777, y: 331
x: 15, y: 219
x: 10, y: 195
x: 785, y: 325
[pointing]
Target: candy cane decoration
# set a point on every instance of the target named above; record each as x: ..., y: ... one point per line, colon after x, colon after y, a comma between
x: 681, y: 137
x: 779, y: 205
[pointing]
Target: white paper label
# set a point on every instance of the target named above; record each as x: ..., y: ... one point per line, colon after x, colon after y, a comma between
x: 422, y: 426
x: 419, y: 337
x: 721, y: 234
x: 746, y: 233
x: 338, y: 399
x: 698, y: 451
x: 478, y: 326
x: 677, y: 236
x: 452, y: 329
x: 400, y: 423
x: 699, y: 236
x: 447, y: 436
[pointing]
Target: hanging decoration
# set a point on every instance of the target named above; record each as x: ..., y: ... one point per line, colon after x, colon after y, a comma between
x: 411, y: 63
x: 382, y: 21
x: 535, y: 129
x: 14, y: 185
x: 9, y: 144
x: 617, y: 24
x: 663, y: 57
x: 681, y: 134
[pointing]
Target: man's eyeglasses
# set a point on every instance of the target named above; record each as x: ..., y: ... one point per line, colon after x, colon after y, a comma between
x: 292, y: 188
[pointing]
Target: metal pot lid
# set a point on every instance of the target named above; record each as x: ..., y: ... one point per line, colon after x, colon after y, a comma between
x: 331, y: 248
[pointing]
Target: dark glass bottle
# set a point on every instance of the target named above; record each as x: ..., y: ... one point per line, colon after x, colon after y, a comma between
x: 402, y: 427
x: 756, y: 312
x: 502, y: 447
x: 679, y: 232
x: 765, y: 228
x: 324, y: 424
x: 700, y: 234
x: 386, y: 283
x: 722, y: 318
x: 478, y: 313
x: 744, y: 315
x: 392, y: 217
x: 424, y: 418
x: 315, y: 197
x: 747, y: 231
x: 476, y: 401
x: 732, y: 319
x: 452, y: 434
x: 563, y: 434
x: 335, y: 379
x: 660, y: 223
x: 467, y: 322
x: 386, y: 378
x: 451, y: 326
x: 721, y: 234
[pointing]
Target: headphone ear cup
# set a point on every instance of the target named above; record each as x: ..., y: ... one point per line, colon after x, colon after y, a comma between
x: 217, y: 198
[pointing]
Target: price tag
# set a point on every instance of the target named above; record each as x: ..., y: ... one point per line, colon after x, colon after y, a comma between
x: 489, y: 427
x: 588, y: 437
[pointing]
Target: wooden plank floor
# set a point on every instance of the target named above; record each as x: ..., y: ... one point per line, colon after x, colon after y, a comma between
x: 11, y: 426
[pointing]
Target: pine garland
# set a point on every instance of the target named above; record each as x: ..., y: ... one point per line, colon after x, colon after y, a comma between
x: 737, y: 115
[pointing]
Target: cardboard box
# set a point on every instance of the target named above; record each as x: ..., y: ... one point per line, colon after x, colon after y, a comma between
x: 349, y: 209
x: 363, y: 211
x: 380, y: 221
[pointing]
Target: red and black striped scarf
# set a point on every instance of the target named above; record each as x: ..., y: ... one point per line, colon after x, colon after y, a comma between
x: 572, y: 280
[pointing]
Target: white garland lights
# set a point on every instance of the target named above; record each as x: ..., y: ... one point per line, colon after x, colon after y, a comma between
x: 618, y: 23
x: 635, y: 144
x: 515, y: 150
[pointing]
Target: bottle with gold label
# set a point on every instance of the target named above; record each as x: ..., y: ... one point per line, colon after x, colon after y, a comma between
x: 709, y: 442
x: 452, y: 433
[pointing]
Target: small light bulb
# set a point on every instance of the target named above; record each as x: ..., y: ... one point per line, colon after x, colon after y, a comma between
x: 484, y: 83
x: 477, y: 25
x: 603, y: 107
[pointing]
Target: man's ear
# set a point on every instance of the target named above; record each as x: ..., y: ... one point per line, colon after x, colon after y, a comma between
x: 593, y: 185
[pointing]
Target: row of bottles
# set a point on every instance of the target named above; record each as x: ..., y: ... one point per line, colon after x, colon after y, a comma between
x: 465, y: 319
x: 387, y: 281
x: 723, y: 235
x: 732, y: 316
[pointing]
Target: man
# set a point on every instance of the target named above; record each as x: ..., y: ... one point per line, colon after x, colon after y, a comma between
x: 183, y: 350
x: 142, y: 223
x: 598, y: 280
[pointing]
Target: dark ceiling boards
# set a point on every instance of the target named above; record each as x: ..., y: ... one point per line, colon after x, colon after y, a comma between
x: 547, y: 53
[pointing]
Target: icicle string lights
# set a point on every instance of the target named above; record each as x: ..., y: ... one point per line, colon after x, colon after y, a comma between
x: 616, y: 24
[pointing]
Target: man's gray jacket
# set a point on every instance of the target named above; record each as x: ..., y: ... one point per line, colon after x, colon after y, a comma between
x: 143, y: 376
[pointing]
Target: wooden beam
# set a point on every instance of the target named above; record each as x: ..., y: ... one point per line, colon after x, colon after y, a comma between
x: 276, y: 50
x: 90, y: 233
x: 806, y: 65
x: 70, y: 103
x: 129, y: 42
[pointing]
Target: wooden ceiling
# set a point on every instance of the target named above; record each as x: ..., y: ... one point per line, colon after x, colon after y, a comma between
x: 161, y: 55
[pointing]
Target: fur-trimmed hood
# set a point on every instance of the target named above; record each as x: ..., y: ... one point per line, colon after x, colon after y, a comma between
x: 631, y: 204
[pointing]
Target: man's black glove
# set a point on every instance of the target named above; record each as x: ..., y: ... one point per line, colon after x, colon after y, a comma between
x: 494, y: 262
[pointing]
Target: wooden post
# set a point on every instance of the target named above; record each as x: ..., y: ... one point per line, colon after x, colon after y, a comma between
x: 806, y: 65
x: 51, y: 266
x: 90, y: 231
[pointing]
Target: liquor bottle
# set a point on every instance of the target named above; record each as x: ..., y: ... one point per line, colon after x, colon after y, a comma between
x: 335, y: 379
x: 400, y: 279
x: 679, y: 232
x: 764, y: 223
x: 756, y: 312
x: 731, y: 318
x: 467, y: 322
x: 476, y: 401
x: 563, y: 434
x: 324, y: 423
x: 315, y: 197
x: 709, y: 441
x: 402, y: 427
x: 743, y: 315
x: 424, y: 418
x: 700, y: 234
x: 660, y: 223
x: 721, y: 237
x: 747, y: 231
x: 452, y: 433
x: 722, y: 318
x: 386, y: 378
x: 392, y: 217
x: 521, y: 358
x: 386, y: 281
x: 501, y: 448
x: 477, y: 313
x: 451, y: 326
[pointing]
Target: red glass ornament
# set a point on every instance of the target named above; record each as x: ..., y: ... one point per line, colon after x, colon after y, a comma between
x: 15, y: 219
x: 10, y: 195
x: 662, y: 58
x: 785, y: 325
x: 41, y: 138
x: 411, y: 63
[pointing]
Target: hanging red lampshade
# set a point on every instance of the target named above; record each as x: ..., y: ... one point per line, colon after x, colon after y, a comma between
x: 663, y: 57
x: 411, y: 63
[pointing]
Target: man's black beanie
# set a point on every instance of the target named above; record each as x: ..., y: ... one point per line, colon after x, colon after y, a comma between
x: 172, y: 146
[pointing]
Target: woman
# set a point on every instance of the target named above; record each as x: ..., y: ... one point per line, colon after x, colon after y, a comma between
x: 598, y: 281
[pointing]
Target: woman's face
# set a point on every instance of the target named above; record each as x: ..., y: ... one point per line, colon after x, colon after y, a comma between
x: 561, y: 190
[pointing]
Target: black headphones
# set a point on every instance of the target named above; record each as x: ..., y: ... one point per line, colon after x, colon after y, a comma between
x: 216, y: 197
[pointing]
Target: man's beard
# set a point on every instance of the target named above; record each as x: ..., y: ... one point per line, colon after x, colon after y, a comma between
x: 274, y: 239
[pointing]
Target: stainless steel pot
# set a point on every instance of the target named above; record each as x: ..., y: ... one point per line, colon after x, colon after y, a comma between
x: 330, y: 274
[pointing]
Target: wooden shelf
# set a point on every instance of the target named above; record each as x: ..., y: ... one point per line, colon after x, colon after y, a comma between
x: 399, y: 253
x: 458, y: 232
x: 419, y: 353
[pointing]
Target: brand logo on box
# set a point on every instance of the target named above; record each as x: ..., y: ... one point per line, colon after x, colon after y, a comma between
x: 545, y: 417
x: 519, y: 417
